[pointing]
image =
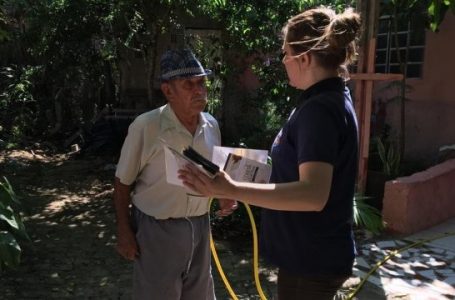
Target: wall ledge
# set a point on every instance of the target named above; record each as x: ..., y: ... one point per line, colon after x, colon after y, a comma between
x: 419, y: 201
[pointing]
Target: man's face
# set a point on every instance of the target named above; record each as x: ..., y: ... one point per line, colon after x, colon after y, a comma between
x: 186, y: 95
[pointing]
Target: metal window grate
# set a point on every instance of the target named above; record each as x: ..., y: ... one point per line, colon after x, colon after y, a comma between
x: 410, y: 38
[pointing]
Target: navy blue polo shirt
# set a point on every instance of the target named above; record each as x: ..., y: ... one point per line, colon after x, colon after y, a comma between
x: 322, y: 128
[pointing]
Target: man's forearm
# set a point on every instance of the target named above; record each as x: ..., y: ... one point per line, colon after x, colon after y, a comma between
x: 122, y: 202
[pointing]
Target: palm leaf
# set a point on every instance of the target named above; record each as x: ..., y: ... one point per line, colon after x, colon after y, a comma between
x: 367, y: 216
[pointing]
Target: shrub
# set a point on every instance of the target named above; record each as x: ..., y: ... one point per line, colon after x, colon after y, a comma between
x: 390, y: 158
x: 12, y: 228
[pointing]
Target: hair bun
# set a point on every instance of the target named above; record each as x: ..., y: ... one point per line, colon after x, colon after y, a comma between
x: 343, y: 29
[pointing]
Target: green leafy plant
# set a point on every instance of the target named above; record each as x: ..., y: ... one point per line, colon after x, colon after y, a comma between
x: 12, y: 228
x: 3, y: 25
x: 390, y: 158
x: 252, y: 41
x: 437, y: 10
x: 18, y: 107
x: 367, y: 216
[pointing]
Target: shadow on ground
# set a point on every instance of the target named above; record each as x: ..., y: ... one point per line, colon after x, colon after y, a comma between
x: 69, y: 216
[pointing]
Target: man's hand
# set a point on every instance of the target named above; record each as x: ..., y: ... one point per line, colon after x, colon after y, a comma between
x: 126, y: 243
x: 126, y: 240
x: 227, y: 207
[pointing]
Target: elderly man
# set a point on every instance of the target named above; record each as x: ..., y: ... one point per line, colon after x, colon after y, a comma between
x: 166, y: 231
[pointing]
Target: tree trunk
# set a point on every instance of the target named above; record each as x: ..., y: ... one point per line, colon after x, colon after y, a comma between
x: 108, y: 95
x: 151, y: 67
x: 149, y: 10
x: 58, y: 114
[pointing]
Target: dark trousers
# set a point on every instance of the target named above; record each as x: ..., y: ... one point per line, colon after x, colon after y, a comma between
x: 174, y: 259
x: 292, y: 287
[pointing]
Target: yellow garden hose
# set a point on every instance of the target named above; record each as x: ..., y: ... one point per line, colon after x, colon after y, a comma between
x: 255, y: 253
x: 255, y: 258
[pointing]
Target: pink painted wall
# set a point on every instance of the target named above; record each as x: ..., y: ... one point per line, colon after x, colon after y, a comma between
x: 421, y: 200
x: 430, y: 112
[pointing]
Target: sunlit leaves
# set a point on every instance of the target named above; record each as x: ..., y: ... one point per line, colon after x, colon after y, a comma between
x: 217, y: 3
x: 437, y: 10
x: 253, y: 29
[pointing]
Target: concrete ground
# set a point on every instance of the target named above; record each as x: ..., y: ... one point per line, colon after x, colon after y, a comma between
x: 425, y: 269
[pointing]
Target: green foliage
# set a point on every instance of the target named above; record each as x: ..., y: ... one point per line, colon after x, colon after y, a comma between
x: 61, y: 61
x: 208, y: 49
x: 253, y: 32
x: 254, y: 28
x: 80, y: 46
x: 390, y: 158
x: 12, y: 229
x: 367, y: 216
x: 437, y: 10
x: 18, y: 87
x: 18, y: 112
x: 4, y: 35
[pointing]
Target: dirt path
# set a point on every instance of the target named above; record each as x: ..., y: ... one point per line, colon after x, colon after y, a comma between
x: 70, y: 219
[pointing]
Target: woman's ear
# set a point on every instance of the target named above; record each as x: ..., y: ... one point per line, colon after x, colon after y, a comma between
x: 306, y: 59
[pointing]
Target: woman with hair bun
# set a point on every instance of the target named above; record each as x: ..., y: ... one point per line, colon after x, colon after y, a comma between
x: 306, y: 224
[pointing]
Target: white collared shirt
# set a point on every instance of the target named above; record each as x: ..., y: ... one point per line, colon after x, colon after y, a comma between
x: 142, y: 161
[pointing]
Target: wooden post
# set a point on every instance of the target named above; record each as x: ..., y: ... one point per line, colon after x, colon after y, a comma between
x: 365, y: 77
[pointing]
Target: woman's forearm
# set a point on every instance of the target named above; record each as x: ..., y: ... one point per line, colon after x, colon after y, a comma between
x: 293, y: 196
x: 309, y: 193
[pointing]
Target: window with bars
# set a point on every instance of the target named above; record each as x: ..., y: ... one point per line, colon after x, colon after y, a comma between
x: 410, y: 37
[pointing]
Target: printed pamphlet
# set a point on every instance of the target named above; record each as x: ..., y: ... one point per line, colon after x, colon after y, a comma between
x: 240, y: 163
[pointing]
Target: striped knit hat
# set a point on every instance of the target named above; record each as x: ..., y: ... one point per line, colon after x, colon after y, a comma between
x: 180, y: 64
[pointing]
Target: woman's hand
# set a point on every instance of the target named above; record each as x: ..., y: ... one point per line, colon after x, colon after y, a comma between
x: 222, y: 186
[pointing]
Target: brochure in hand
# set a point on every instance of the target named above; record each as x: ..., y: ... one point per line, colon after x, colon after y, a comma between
x: 176, y: 160
x: 241, y: 164
x: 206, y: 164
x: 244, y: 169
